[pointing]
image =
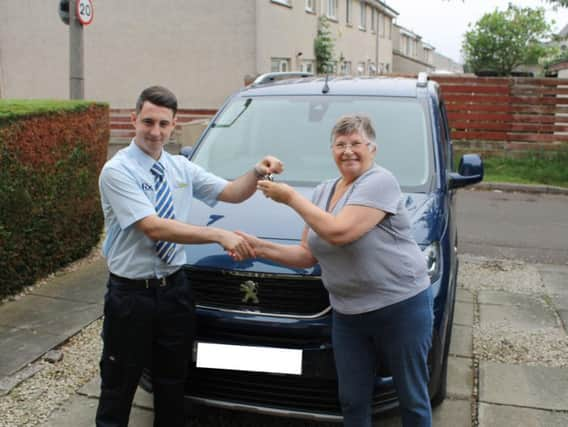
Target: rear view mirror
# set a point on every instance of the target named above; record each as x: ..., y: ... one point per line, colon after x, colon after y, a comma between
x: 470, y: 171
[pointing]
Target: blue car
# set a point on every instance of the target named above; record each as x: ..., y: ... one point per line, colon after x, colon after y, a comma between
x: 263, y: 339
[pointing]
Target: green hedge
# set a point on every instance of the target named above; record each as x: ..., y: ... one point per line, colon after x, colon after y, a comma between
x: 51, y: 153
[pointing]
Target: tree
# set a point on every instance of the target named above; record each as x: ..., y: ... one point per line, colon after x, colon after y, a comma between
x: 502, y: 40
x: 323, y: 47
x: 563, y: 3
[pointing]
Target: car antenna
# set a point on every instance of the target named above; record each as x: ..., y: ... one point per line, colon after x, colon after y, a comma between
x: 325, y: 88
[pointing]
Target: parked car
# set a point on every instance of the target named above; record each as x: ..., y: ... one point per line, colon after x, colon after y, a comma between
x: 263, y: 330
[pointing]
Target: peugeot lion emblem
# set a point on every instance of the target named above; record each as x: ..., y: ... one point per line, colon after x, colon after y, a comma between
x: 250, y: 289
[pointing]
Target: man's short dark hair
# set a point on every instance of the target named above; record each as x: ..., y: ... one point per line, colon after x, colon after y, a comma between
x: 157, y: 95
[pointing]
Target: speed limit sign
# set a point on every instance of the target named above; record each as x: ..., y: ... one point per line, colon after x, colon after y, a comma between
x: 84, y: 11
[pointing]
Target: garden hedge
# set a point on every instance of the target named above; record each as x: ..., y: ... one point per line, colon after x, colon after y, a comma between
x: 51, y: 153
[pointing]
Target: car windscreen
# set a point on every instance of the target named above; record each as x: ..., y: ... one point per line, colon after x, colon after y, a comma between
x: 297, y: 131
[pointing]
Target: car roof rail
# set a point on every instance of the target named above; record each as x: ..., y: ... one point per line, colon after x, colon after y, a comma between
x: 422, y: 80
x: 271, y: 77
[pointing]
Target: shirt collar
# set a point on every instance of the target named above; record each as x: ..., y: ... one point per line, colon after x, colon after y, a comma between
x: 142, y: 158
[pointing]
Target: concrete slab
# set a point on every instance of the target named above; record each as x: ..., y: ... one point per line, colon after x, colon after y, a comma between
x: 463, y: 313
x: 80, y: 411
x: 526, y: 386
x: 462, y: 341
x: 529, y: 316
x: 88, y: 284
x: 507, y: 298
x: 452, y: 413
x: 554, y: 279
x: 560, y: 302
x: 513, y: 416
x: 27, y: 344
x: 464, y: 295
x: 460, y: 378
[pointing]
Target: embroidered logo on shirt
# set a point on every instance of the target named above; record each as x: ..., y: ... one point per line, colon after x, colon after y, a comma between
x: 146, y: 187
x: 181, y: 184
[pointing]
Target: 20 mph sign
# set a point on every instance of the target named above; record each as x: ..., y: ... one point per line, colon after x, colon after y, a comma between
x: 84, y: 11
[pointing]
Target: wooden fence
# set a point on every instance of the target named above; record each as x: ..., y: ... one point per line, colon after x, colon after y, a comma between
x: 500, y: 116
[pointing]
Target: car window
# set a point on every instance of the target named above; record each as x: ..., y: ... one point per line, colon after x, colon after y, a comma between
x: 297, y: 130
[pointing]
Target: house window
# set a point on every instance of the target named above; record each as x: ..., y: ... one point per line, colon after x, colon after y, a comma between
x: 308, y: 66
x: 348, y: 12
x: 389, y: 27
x: 372, y: 69
x: 310, y: 5
x: 373, y: 26
x: 363, y: 24
x: 361, y: 68
x: 346, y: 67
x: 279, y: 64
x: 382, y: 24
x: 331, y: 9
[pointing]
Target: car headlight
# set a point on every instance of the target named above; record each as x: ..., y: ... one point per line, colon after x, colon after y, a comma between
x: 433, y: 260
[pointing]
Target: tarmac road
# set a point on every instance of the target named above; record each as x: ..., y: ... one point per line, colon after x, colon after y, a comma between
x: 530, y: 227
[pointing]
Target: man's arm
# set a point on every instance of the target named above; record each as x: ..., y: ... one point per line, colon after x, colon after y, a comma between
x: 244, y: 186
x: 170, y: 230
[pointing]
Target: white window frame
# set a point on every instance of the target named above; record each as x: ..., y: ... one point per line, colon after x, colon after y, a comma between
x: 311, y: 6
x: 349, y: 12
x: 331, y: 9
x: 346, y: 68
x: 282, y: 64
x: 363, y: 17
x: 307, y: 66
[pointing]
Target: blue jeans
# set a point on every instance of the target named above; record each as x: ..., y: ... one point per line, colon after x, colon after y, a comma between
x: 398, y: 336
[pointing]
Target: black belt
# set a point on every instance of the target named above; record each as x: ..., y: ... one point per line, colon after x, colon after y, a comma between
x: 147, y: 283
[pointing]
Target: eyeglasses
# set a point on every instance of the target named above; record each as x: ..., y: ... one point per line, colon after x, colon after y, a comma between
x: 353, y: 146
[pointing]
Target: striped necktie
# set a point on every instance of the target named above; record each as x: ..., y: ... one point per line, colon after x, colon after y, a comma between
x: 164, y: 208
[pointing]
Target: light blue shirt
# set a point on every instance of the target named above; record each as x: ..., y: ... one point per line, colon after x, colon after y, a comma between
x: 127, y: 196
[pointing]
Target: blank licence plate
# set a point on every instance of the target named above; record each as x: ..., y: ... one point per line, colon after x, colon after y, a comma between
x: 248, y: 358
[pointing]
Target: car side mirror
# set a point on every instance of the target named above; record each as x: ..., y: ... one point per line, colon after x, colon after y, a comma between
x: 470, y: 171
x: 186, y: 151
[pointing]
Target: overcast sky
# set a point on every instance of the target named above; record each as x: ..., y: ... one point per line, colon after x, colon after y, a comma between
x: 442, y: 23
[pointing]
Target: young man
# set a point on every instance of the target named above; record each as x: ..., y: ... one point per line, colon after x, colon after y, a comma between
x: 146, y: 197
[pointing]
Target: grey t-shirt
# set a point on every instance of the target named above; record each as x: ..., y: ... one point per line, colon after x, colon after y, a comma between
x: 382, y: 267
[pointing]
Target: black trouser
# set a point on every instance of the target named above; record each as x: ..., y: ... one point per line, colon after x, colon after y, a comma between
x: 145, y: 327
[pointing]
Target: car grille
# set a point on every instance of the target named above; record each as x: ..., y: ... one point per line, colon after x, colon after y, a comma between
x: 286, y: 392
x: 276, y: 293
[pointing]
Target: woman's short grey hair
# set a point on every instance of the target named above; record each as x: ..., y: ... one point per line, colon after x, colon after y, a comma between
x: 351, y: 123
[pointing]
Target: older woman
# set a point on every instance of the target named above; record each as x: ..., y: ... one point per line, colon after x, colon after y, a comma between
x: 359, y: 232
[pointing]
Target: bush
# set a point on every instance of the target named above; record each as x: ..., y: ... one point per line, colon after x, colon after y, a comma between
x: 51, y: 154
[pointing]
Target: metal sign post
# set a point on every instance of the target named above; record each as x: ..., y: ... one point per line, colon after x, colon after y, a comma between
x: 80, y: 14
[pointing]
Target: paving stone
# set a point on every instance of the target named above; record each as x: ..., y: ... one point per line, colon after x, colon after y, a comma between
x: 80, y: 411
x: 462, y: 341
x: 88, y: 284
x: 450, y: 411
x: 8, y: 383
x: 526, y: 317
x: 507, y: 298
x: 554, y: 279
x: 529, y: 386
x: 560, y: 302
x: 463, y: 314
x: 464, y: 295
x: 28, y: 344
x: 513, y: 416
x: 460, y: 377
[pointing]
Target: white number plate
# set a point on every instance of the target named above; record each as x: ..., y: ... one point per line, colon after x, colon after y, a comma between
x: 247, y: 358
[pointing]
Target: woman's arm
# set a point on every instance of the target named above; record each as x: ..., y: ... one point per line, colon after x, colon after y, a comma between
x: 349, y: 225
x: 298, y: 256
